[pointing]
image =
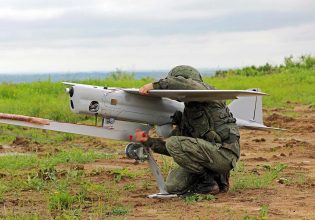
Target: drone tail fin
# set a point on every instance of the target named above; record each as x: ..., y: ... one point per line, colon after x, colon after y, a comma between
x: 248, y: 108
x: 248, y: 112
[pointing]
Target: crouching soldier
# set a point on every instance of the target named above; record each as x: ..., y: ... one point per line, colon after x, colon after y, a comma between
x: 204, y: 143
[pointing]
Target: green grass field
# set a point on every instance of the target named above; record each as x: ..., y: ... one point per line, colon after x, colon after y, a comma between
x: 294, y: 85
x: 48, y: 99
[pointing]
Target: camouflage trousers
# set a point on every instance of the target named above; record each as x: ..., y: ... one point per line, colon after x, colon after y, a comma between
x: 194, y: 157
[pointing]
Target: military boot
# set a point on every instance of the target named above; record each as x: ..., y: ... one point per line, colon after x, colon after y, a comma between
x: 223, y: 181
x: 206, y: 184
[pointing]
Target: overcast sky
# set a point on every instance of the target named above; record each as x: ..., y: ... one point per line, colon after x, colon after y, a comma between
x: 96, y: 35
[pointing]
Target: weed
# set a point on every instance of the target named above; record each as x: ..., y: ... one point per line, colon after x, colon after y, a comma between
x: 116, y: 211
x: 119, y: 174
x: 47, y: 173
x: 240, y: 167
x: 130, y: 187
x: 266, y: 166
x: 35, y: 183
x: 146, y: 184
x: 61, y: 184
x: 97, y: 171
x: 61, y: 200
x: 75, y: 174
x: 103, y: 192
x: 69, y: 215
x: 199, y: 197
x: 167, y: 165
x: 3, y: 188
x: 68, y: 136
x: 263, y: 213
x: 247, y: 217
x: 83, y: 193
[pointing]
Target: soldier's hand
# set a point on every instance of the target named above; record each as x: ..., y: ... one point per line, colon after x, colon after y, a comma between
x: 144, y: 90
x: 141, y: 136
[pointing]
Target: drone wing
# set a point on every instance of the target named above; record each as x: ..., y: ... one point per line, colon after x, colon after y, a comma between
x: 199, y: 95
x: 189, y: 95
x: 118, y: 130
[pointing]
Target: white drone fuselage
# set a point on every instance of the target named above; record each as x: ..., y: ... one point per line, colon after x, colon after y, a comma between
x: 120, y: 105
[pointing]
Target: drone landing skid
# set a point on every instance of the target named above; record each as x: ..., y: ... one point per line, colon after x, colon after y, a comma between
x: 162, y: 196
x: 138, y: 152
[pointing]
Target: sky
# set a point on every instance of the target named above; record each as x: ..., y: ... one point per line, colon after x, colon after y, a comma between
x: 101, y: 35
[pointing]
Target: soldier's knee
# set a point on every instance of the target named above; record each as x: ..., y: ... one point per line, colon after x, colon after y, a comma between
x: 175, y: 188
x: 171, y: 188
x: 178, y: 180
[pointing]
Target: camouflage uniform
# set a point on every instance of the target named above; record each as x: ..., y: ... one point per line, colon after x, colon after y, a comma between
x: 206, y: 138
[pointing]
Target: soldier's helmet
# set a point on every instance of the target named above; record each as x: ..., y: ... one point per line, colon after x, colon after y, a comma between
x: 186, y: 72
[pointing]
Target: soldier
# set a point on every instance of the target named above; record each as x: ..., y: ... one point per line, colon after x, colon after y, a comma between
x: 204, y: 143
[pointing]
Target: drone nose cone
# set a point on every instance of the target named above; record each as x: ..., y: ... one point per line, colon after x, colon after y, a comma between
x: 70, y: 91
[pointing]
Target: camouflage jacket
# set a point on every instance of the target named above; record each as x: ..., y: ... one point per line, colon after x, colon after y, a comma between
x: 211, y: 121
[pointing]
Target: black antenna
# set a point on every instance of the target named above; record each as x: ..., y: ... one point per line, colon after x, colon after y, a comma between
x: 96, y: 114
x: 255, y: 109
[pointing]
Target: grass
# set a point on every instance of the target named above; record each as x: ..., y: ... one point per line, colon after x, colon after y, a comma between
x: 70, y: 201
x: 122, y: 173
x: 263, y: 214
x: 67, y: 191
x: 130, y: 187
x: 17, y: 162
x: 102, y: 192
x: 68, y: 196
x: 8, y: 134
x: 48, y: 99
x: 294, y: 85
x: 35, y: 183
x: 13, y: 184
x: 167, y: 164
x: 24, y: 173
x: 61, y: 200
x: 74, y: 156
x: 243, y: 179
x: 117, y: 211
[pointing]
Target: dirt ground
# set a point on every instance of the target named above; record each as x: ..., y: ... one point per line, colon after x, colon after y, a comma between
x: 295, y: 200
x: 290, y: 196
